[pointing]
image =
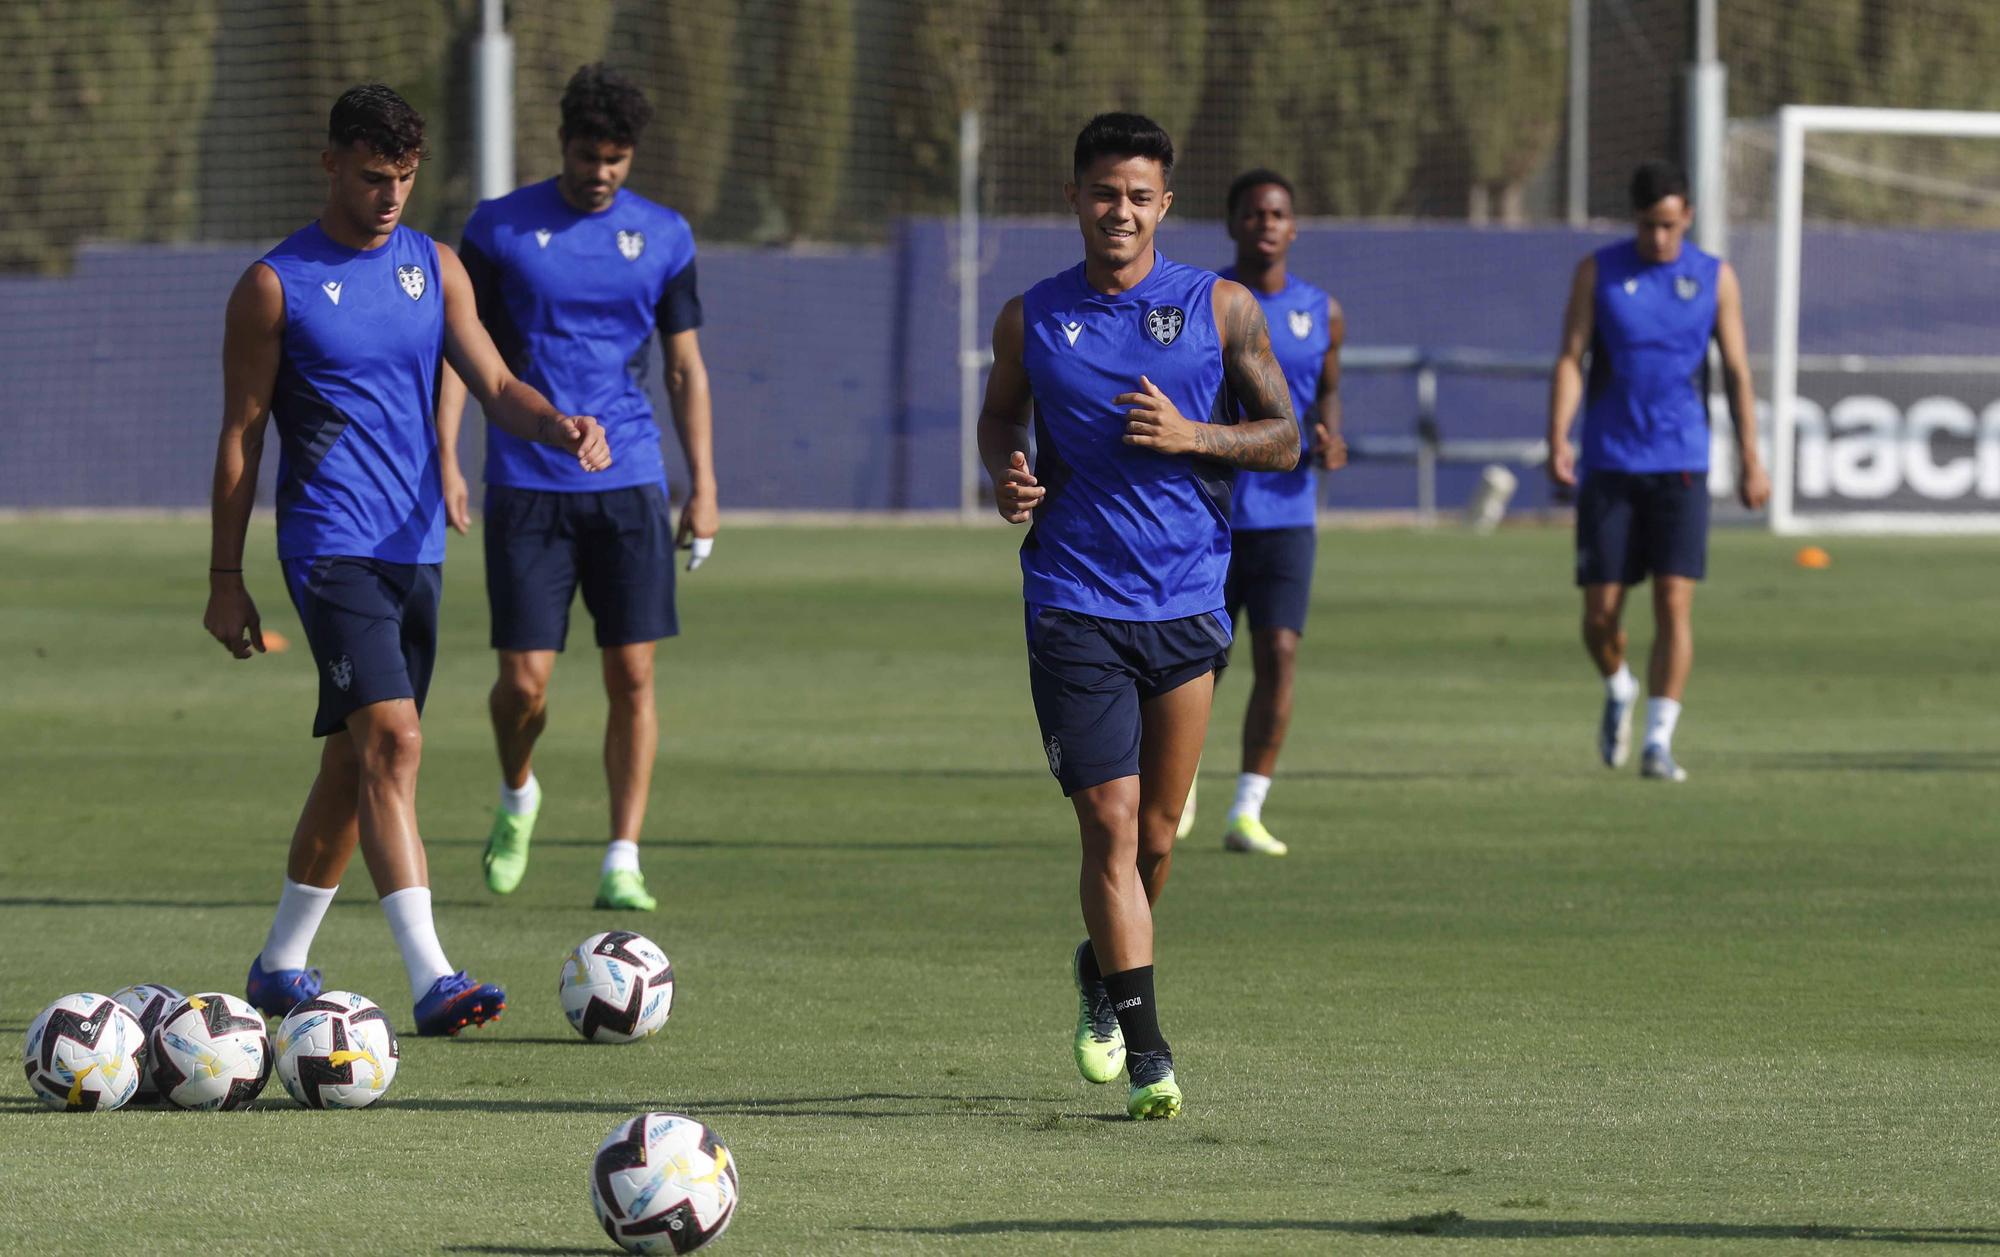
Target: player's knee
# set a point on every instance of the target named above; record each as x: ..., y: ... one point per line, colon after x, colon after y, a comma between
x: 1599, y: 623
x: 1109, y: 825
x: 391, y: 750
x: 627, y: 682
x: 521, y: 692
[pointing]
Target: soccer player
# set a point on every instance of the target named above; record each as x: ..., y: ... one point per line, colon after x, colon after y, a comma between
x: 1274, y: 514
x: 337, y: 333
x: 1126, y: 363
x: 1645, y: 311
x: 574, y: 275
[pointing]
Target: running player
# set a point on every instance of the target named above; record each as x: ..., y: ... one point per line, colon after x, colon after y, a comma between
x: 1645, y: 311
x: 574, y: 275
x: 1126, y: 362
x: 337, y: 333
x: 1275, y: 513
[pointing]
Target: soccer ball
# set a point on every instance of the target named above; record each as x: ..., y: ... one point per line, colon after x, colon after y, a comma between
x: 336, y: 1051
x: 147, y: 1001
x: 84, y: 1052
x: 617, y: 987
x: 661, y: 1183
x: 211, y: 1051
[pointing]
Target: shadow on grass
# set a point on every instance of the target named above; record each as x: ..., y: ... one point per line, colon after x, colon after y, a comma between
x: 752, y: 844
x: 79, y: 901
x: 519, y: 1248
x: 1453, y: 1225
x: 850, y: 1106
x: 1921, y: 762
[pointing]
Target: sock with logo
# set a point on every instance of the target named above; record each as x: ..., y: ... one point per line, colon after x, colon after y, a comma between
x: 1621, y: 686
x: 1662, y: 714
x: 523, y: 801
x: 1250, y: 791
x: 300, y: 910
x: 409, y: 913
x: 1132, y: 995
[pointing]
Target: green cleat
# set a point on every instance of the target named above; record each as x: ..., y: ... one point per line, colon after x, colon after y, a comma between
x: 1155, y: 1094
x: 625, y: 890
x: 1100, y: 1042
x: 506, y: 858
x: 1247, y: 833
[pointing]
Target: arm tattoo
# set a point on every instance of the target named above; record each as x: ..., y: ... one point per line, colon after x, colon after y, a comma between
x: 1268, y: 439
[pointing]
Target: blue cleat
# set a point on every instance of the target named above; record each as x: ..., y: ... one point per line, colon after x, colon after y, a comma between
x: 1657, y: 762
x: 277, y: 993
x: 1614, y: 732
x: 456, y: 1001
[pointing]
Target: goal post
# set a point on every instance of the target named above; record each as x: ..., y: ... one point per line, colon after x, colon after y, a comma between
x: 1932, y: 459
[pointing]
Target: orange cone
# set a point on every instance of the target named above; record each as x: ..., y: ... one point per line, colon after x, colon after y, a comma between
x: 1810, y: 557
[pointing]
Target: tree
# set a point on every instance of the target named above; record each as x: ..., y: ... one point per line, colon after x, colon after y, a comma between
x: 1502, y: 71
x: 682, y: 55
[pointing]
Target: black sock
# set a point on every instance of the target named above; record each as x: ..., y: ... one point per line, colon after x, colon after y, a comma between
x: 1087, y: 966
x: 1132, y: 995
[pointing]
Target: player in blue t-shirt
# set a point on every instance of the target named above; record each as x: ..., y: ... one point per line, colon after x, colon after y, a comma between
x: 1126, y: 364
x: 337, y: 334
x: 574, y: 276
x: 1275, y: 514
x: 1645, y: 311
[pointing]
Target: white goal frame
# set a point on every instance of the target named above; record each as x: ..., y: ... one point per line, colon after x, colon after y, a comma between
x: 1795, y: 123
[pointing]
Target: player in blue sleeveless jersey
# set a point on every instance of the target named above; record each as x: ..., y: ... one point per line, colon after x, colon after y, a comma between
x: 337, y: 334
x: 1645, y: 311
x: 1126, y: 364
x: 1275, y: 514
x: 574, y: 276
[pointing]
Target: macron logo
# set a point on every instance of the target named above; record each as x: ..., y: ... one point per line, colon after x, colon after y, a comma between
x: 542, y: 237
x: 1072, y: 330
x: 332, y: 290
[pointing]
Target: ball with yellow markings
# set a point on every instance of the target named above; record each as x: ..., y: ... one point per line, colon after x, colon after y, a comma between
x: 337, y: 1051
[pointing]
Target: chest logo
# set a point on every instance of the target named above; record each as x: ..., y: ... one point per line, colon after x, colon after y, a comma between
x: 412, y: 280
x: 332, y: 290
x: 1072, y: 330
x: 1631, y: 286
x: 1164, y: 322
x: 542, y: 237
x: 631, y: 244
x: 1686, y: 286
x: 1302, y: 323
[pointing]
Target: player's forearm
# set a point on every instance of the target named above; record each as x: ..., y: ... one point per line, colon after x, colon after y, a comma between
x: 1326, y: 411
x: 694, y: 422
x: 1257, y: 445
x: 1743, y: 414
x: 1565, y: 393
x: 520, y: 410
x: 450, y: 415
x: 999, y: 437
x: 234, y: 493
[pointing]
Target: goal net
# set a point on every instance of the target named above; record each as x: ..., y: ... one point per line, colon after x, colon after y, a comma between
x: 1883, y: 249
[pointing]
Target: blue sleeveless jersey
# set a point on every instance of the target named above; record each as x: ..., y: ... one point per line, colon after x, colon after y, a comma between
x: 1124, y: 532
x: 1299, y: 340
x: 356, y: 398
x: 1646, y: 401
x: 572, y: 300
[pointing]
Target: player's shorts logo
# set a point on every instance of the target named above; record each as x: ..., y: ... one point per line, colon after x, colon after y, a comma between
x: 631, y: 244
x: 1302, y: 323
x: 1054, y: 749
x: 412, y: 280
x: 1164, y: 322
x: 1686, y: 286
x: 342, y: 672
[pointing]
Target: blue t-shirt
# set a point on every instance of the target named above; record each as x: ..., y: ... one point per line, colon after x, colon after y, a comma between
x: 572, y: 300
x: 355, y: 398
x: 1300, y: 338
x: 1646, y: 402
x: 1124, y: 532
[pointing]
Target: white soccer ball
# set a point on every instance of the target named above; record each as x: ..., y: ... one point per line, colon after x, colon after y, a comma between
x: 617, y: 987
x: 663, y: 1183
x: 211, y: 1051
x: 84, y: 1052
x: 148, y: 1001
x: 336, y: 1051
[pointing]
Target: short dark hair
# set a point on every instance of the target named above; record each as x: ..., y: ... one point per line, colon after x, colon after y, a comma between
x: 1122, y: 135
x: 1249, y: 181
x: 604, y: 106
x: 1655, y: 182
x: 376, y: 116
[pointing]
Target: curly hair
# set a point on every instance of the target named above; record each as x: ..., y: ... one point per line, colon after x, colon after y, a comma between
x: 1250, y: 180
x: 602, y: 105
x: 376, y: 116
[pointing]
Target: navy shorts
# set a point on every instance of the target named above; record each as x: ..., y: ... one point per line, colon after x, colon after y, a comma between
x: 1089, y: 675
x: 540, y: 546
x: 1633, y: 524
x: 372, y: 627
x: 1270, y: 576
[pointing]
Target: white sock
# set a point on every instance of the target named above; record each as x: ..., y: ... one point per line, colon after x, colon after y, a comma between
x: 620, y: 854
x: 523, y: 801
x: 300, y: 909
x: 1662, y: 714
x: 409, y: 913
x: 1621, y: 686
x: 1250, y: 791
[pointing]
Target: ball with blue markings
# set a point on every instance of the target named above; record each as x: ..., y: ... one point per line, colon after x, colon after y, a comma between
x: 617, y: 987
x: 337, y: 1050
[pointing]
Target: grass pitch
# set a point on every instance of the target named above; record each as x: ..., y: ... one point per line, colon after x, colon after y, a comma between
x: 1497, y: 999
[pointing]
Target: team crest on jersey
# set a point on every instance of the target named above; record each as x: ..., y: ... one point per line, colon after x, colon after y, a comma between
x: 412, y: 280
x: 1686, y: 286
x: 342, y: 672
x: 1302, y: 323
x: 631, y: 244
x: 1164, y: 322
